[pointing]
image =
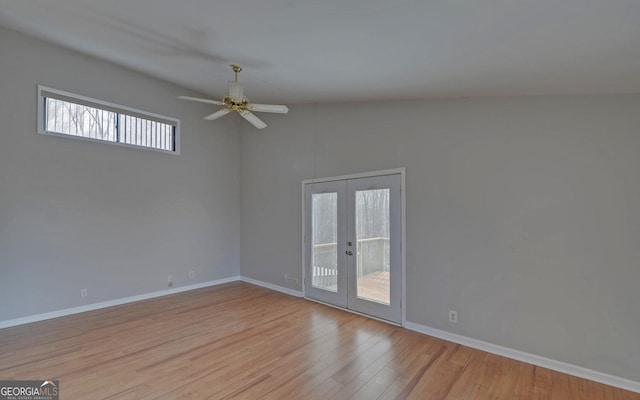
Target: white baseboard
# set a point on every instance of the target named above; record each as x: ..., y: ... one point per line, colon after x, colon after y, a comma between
x: 271, y: 286
x: 111, y: 303
x: 527, y: 357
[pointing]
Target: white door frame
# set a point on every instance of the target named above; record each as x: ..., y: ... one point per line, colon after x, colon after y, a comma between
x: 395, y: 171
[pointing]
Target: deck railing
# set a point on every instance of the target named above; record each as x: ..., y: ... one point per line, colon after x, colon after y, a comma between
x: 324, y: 273
x: 372, y: 256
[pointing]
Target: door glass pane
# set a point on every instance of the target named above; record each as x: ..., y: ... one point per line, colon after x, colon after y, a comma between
x: 372, y: 235
x: 324, y: 241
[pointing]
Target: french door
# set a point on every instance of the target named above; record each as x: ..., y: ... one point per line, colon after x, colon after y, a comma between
x: 353, y: 257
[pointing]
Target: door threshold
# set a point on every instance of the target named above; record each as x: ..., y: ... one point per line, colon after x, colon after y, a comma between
x: 354, y: 312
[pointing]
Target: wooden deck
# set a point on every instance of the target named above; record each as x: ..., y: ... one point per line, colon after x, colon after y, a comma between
x: 375, y: 286
x: 240, y: 341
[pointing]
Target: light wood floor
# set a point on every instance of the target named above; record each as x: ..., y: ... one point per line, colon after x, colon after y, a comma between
x: 245, y: 342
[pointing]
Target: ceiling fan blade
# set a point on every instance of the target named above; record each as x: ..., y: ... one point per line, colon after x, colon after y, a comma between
x: 270, y: 108
x: 251, y: 117
x: 199, y: 100
x: 217, y: 114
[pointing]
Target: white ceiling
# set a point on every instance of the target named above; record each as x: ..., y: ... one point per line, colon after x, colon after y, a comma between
x: 298, y: 51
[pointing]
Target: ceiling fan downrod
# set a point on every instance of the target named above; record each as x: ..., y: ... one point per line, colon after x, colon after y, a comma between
x: 236, y: 69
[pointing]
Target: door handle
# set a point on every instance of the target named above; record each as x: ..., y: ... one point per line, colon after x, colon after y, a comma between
x: 349, y: 252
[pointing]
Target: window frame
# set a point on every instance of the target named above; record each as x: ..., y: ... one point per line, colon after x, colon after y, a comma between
x: 106, y: 106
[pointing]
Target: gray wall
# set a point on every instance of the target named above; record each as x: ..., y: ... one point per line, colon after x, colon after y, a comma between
x: 113, y: 220
x: 522, y: 213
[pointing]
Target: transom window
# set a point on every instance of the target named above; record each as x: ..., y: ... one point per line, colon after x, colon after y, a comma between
x: 66, y: 114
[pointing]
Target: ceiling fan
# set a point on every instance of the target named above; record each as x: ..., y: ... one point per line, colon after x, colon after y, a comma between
x: 235, y: 100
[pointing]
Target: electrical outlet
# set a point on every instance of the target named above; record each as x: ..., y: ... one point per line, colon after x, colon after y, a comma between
x: 286, y: 277
x: 83, y: 293
x: 192, y: 274
x: 170, y: 280
x: 453, y: 316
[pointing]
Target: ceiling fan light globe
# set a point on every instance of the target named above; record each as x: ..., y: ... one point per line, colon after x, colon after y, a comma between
x: 236, y: 91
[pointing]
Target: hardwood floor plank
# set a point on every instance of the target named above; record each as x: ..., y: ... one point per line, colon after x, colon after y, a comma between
x: 420, y: 374
x: 467, y: 384
x: 377, y: 385
x: 439, y: 379
x: 542, y: 379
x: 321, y: 392
x: 562, y: 387
x: 240, y: 341
x: 403, y: 345
x: 409, y: 374
x: 504, y: 379
x: 348, y: 390
x: 294, y: 385
x: 524, y: 382
x: 359, y: 364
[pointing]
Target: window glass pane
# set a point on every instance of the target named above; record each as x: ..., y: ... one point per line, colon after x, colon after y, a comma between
x: 147, y: 133
x: 372, y: 236
x: 79, y: 120
x: 324, y: 241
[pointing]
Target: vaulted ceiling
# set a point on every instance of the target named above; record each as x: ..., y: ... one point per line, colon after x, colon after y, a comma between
x: 296, y: 51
